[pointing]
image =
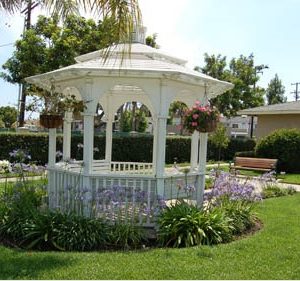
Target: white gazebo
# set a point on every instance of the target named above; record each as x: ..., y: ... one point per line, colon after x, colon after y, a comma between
x: 148, y: 76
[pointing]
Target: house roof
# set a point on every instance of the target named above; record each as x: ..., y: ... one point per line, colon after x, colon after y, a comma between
x: 280, y: 108
x: 141, y: 61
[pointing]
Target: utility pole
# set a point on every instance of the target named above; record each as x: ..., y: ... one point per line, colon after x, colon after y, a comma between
x: 296, y: 91
x: 22, y: 90
x: 257, y: 69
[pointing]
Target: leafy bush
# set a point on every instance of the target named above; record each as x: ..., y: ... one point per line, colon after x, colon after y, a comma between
x: 234, y: 146
x: 122, y: 149
x: 77, y: 233
x: 184, y: 225
x: 240, y: 213
x: 250, y: 153
x: 126, y: 235
x: 284, y: 145
x: 216, y: 226
x: 179, y: 225
x: 270, y: 191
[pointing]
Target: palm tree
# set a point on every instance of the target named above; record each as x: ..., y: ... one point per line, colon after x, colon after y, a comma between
x: 126, y: 14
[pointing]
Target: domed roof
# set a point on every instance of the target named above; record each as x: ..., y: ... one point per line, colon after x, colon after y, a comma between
x: 130, y: 61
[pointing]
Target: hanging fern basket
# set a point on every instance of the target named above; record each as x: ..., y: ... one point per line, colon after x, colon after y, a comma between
x: 51, y: 121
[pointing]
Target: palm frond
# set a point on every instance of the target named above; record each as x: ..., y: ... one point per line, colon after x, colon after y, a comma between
x: 63, y: 8
x: 11, y: 6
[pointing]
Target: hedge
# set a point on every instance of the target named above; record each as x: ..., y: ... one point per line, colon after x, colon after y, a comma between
x: 125, y: 148
x: 284, y: 145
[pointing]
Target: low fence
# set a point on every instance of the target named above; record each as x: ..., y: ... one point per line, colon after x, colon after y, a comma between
x: 117, y: 197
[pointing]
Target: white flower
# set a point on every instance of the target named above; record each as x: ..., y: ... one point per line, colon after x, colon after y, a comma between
x: 5, y: 166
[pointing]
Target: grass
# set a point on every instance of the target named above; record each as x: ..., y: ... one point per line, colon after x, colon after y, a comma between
x: 272, y: 253
x: 290, y: 178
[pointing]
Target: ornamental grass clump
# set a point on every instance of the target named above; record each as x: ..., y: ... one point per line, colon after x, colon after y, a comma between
x: 201, y: 118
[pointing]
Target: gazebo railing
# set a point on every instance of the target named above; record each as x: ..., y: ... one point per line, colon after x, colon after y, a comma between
x: 102, y: 166
x: 114, y: 197
x: 132, y: 168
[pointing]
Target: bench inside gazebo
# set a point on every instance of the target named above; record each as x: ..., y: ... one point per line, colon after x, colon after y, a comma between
x: 147, y: 76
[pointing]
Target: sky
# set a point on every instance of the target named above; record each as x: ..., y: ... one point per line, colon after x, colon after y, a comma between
x: 268, y: 29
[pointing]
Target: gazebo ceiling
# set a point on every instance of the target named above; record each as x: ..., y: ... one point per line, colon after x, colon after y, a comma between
x: 142, y: 62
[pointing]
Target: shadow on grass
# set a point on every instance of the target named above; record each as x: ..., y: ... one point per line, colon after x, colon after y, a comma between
x: 18, y: 264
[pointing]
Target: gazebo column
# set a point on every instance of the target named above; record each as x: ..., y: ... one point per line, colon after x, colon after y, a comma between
x: 88, y: 142
x: 194, y: 150
x: 202, y: 167
x: 67, y: 135
x: 51, y: 164
x: 109, y: 137
x: 159, y: 151
x: 88, y: 156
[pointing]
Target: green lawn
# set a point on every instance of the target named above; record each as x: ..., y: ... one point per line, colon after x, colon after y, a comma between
x: 290, y: 178
x: 272, y: 253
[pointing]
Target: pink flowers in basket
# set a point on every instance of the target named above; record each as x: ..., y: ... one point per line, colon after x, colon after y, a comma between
x: 202, y: 118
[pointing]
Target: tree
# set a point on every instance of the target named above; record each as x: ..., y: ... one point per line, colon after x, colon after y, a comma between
x: 220, y: 139
x: 275, y: 91
x: 48, y: 46
x: 125, y: 15
x: 242, y: 73
x: 151, y: 41
x: 8, y: 115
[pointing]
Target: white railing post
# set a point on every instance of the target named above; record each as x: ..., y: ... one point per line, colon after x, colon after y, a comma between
x: 52, y: 148
x: 202, y: 167
x: 194, y: 150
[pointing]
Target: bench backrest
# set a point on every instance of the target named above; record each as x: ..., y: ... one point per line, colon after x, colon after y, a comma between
x: 264, y: 163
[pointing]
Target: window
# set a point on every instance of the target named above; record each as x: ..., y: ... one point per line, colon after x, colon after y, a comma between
x: 235, y: 126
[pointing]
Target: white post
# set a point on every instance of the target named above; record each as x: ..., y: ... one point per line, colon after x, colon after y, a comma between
x: 154, y: 128
x: 51, y: 163
x: 88, y: 142
x: 108, y: 139
x: 160, y: 152
x: 52, y: 148
x: 67, y: 135
x: 202, y: 167
x: 194, y: 150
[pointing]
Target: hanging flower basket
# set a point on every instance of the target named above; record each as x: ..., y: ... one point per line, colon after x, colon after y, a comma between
x: 201, y: 118
x: 51, y: 121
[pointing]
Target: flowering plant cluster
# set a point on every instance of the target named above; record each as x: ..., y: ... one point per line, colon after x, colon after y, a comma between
x: 5, y: 167
x: 229, y: 187
x: 202, y: 118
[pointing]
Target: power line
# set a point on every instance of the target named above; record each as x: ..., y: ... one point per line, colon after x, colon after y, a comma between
x: 296, y: 92
x: 7, y: 44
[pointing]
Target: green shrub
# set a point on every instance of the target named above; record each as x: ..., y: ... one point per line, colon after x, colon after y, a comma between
x: 19, y: 206
x: 184, y: 225
x: 283, y: 145
x: 240, y: 213
x: 270, y: 191
x: 125, y: 148
x: 234, y: 146
x: 126, y: 235
x: 250, y: 153
x: 77, y: 233
x: 216, y: 227
x: 179, y: 226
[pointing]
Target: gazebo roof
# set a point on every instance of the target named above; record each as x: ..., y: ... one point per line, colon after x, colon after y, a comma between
x: 142, y: 61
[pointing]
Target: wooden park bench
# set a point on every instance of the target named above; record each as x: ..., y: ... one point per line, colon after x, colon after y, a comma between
x: 255, y: 164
